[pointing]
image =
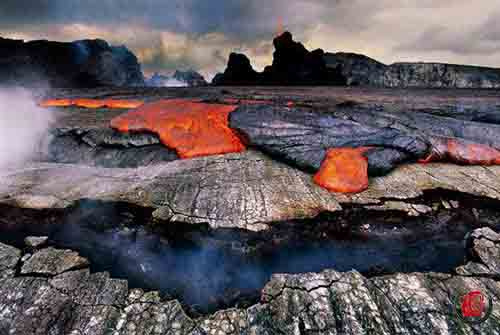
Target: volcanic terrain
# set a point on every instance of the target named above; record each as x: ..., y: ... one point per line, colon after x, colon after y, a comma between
x: 254, y: 210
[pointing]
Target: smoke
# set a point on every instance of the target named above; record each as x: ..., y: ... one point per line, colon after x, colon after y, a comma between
x: 174, y: 83
x: 23, y: 127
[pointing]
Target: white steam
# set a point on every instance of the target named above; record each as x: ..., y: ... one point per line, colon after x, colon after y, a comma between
x: 172, y: 82
x: 23, y: 127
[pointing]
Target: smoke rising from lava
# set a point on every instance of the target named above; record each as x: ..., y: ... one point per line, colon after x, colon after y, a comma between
x: 23, y: 127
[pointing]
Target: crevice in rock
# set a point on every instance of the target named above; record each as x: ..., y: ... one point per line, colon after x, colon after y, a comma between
x: 208, y: 270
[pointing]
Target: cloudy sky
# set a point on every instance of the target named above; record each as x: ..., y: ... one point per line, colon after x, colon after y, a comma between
x: 199, y: 34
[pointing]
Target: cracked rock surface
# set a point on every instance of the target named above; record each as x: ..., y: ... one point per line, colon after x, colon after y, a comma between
x: 329, y: 302
x: 303, y: 137
x: 485, y: 253
x: 245, y: 190
x: 106, y: 148
x: 52, y: 261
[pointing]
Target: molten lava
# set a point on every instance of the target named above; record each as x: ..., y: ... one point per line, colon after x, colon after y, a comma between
x: 92, y: 103
x: 191, y: 128
x: 344, y: 170
x: 462, y: 152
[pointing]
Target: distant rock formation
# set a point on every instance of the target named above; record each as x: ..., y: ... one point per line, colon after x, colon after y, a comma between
x: 356, y: 68
x: 84, y: 63
x: 292, y: 64
x: 365, y: 71
x: 188, y: 78
x: 239, y: 71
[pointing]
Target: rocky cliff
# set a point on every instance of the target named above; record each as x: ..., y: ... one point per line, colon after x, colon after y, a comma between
x: 85, y: 63
x: 293, y: 64
x: 365, y: 71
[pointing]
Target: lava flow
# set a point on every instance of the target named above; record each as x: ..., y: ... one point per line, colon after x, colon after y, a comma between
x: 192, y: 128
x: 462, y: 152
x: 92, y: 103
x: 344, y: 170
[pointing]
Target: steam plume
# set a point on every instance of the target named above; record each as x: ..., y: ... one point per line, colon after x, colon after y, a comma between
x: 23, y: 127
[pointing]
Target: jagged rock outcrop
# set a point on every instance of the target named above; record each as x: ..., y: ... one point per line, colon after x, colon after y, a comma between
x: 239, y: 71
x: 360, y: 70
x: 106, y: 148
x: 330, y: 302
x: 292, y: 64
x: 484, y: 253
x: 85, y: 63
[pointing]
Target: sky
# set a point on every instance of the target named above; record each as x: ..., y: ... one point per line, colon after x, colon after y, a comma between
x: 199, y: 34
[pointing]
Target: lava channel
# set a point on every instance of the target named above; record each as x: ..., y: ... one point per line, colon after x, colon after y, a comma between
x: 191, y: 128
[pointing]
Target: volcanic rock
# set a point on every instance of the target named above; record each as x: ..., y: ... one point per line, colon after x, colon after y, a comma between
x: 107, y: 148
x: 365, y: 71
x: 484, y: 253
x: 35, y: 242
x: 328, y: 302
x: 245, y: 190
x: 52, y: 261
x: 85, y: 63
x: 239, y: 71
x: 438, y: 75
x: 359, y: 70
x: 292, y: 64
x: 9, y: 257
x: 303, y: 137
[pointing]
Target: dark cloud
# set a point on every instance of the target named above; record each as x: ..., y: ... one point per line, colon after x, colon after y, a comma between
x: 169, y: 34
x: 483, y: 38
x: 15, y: 13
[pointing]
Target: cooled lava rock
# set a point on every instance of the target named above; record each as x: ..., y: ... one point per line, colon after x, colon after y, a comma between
x: 85, y: 63
x: 452, y: 139
x: 302, y: 138
x: 106, y: 148
x: 77, y: 301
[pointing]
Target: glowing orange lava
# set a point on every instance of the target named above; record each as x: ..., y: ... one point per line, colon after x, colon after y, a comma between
x: 462, y: 152
x: 344, y: 170
x: 191, y: 128
x: 92, y: 103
